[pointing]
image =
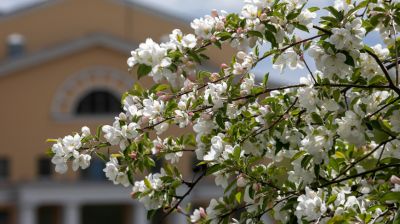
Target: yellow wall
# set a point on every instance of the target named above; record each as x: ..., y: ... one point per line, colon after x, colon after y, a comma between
x: 26, y: 96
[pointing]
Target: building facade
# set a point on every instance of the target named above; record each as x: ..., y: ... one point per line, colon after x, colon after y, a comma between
x: 62, y: 66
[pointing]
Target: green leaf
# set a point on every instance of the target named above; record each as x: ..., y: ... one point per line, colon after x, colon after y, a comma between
x: 334, y: 164
x: 214, y: 169
x: 254, y: 33
x: 161, y: 87
x: 238, y: 197
x: 49, y: 152
x: 220, y: 121
x: 224, y: 36
x: 147, y: 183
x: 271, y: 38
x: 316, y: 118
x: 101, y: 156
x: 391, y: 196
x: 331, y: 199
x: 236, y: 153
x: 306, y: 161
x: 313, y: 9
x: 51, y: 140
x: 301, y: 27
x: 340, y: 155
x: 143, y: 70
x: 334, y: 12
x: 265, y: 79
x: 297, y: 155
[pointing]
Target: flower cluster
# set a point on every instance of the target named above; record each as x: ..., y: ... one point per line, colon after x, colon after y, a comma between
x: 67, y: 149
x: 325, y: 150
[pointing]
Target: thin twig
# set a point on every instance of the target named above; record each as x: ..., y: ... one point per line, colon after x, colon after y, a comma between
x: 360, y: 174
x: 362, y: 158
x: 181, y: 198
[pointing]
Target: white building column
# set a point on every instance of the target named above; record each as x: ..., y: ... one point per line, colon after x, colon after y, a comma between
x: 71, y: 213
x: 138, y: 214
x: 27, y: 214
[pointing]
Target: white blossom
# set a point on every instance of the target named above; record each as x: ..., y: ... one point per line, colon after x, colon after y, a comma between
x: 203, y: 27
x: 113, y: 173
x: 311, y: 206
x: 288, y: 58
x: 351, y: 129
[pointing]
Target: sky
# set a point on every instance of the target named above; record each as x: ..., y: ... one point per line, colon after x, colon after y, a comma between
x: 188, y: 9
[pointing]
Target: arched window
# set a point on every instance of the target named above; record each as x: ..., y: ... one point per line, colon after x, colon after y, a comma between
x: 99, y: 102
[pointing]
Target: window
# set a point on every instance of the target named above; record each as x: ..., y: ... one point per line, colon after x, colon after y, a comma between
x: 48, y: 214
x: 4, y: 169
x: 44, y: 167
x: 98, y: 102
x: 104, y: 214
x: 159, y: 162
x: 5, y: 217
x: 94, y: 172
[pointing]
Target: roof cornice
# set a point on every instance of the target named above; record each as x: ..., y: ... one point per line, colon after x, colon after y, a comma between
x: 12, y: 65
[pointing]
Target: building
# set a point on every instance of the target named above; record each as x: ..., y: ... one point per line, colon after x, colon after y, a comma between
x: 63, y: 65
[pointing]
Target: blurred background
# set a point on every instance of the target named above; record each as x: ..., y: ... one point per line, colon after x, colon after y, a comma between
x: 62, y: 66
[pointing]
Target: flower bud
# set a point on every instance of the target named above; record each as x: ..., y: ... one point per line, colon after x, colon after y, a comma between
x: 144, y: 121
x: 133, y: 195
x: 241, y: 181
x: 85, y: 131
x: 256, y: 187
x: 395, y: 180
x: 219, y: 26
x: 263, y: 16
x: 133, y: 155
x: 213, y: 39
x: 241, y: 55
x: 202, y: 212
x: 165, y: 97
x: 214, y: 13
x: 179, y: 209
x: 188, y: 84
x: 122, y: 117
x: 224, y: 66
x: 214, y: 77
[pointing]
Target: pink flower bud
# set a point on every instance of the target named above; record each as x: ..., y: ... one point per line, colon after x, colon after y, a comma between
x: 241, y: 181
x: 263, y: 16
x: 214, y: 76
x: 202, y: 212
x: 256, y: 187
x: 395, y: 180
x: 213, y: 39
x: 165, y: 97
x: 144, y: 121
x: 224, y: 66
x: 214, y: 13
x: 133, y: 155
x: 133, y: 195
